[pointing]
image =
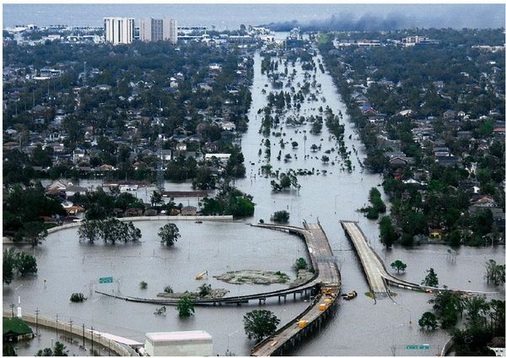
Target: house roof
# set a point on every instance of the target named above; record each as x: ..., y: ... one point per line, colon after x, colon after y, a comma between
x: 15, y: 325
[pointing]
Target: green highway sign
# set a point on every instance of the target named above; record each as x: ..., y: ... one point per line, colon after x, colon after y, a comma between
x: 107, y: 279
x: 418, y: 346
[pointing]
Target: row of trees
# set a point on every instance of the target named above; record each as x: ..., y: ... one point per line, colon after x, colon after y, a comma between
x: 482, y: 320
x: 17, y: 262
x: 377, y: 205
x: 110, y: 230
x: 24, y: 210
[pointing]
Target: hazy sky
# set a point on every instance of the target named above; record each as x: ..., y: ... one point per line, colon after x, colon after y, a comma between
x: 232, y: 14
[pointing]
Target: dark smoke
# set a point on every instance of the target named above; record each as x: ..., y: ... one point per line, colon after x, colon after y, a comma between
x: 470, y: 16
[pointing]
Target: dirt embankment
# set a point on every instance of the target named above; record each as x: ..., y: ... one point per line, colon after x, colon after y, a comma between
x: 261, y: 277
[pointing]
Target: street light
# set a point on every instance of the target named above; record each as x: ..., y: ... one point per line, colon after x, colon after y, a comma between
x: 228, y: 353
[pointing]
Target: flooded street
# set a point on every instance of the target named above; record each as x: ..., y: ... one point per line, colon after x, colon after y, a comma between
x: 361, y: 327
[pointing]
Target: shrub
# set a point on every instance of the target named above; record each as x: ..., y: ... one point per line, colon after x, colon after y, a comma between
x: 77, y: 297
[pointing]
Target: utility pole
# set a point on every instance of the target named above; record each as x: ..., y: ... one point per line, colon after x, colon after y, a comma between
x: 159, y: 171
x: 37, y: 322
x: 84, y: 346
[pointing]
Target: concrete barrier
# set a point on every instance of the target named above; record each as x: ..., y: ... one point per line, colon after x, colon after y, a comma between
x: 75, y: 331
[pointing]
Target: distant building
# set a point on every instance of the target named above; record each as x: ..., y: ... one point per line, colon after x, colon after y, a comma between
x: 119, y: 30
x: 182, y: 343
x: 158, y: 30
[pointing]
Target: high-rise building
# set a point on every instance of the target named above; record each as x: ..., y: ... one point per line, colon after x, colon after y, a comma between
x: 119, y: 30
x: 158, y: 30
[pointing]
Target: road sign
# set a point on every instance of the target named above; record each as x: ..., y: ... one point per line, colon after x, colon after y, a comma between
x: 418, y: 346
x: 107, y: 279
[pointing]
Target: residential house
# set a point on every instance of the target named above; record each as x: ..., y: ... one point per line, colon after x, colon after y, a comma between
x: 78, y: 155
x: 189, y: 211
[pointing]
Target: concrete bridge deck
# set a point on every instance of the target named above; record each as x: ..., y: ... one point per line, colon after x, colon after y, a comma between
x: 375, y: 271
x: 320, y: 308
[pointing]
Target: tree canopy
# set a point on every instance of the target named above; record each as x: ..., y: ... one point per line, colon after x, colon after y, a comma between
x: 169, y: 233
x: 259, y: 324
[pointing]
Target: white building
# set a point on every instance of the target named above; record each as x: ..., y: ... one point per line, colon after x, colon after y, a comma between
x: 158, y: 30
x: 119, y: 30
x: 182, y: 343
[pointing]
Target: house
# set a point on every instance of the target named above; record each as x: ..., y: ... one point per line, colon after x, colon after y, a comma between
x: 15, y: 329
x: 78, y: 155
x: 133, y: 212
x: 188, y: 211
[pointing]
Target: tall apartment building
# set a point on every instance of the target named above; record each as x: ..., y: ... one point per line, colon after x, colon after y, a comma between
x: 158, y: 30
x: 119, y: 30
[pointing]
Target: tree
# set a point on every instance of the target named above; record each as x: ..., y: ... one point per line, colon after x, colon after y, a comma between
x: 300, y: 264
x: 398, y: 265
x: 495, y: 273
x: 476, y: 309
x: 34, y: 232
x: 447, y: 306
x: 431, y: 278
x: 25, y: 263
x: 60, y: 350
x: 8, y: 264
x: 282, y: 216
x: 428, y: 320
x: 109, y: 230
x: 185, y: 306
x: 387, y: 231
x: 156, y: 198
x: 9, y: 351
x: 169, y: 233
x: 205, y: 290
x: 77, y: 297
x: 259, y: 324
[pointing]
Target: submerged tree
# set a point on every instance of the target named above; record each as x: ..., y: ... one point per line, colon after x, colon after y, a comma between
x: 431, y: 278
x: 169, y: 233
x: 185, y: 307
x: 495, y: 273
x: 428, y: 321
x: 398, y: 265
x: 259, y: 324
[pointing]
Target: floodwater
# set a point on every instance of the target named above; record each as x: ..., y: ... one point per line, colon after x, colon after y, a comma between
x: 361, y: 327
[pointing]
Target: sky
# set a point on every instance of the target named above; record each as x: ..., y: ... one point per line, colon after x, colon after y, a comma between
x: 358, y: 14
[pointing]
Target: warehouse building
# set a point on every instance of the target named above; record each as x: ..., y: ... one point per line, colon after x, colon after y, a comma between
x: 182, y: 343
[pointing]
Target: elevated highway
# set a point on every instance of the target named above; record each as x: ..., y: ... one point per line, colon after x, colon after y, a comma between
x: 374, y: 268
x: 320, y: 308
x: 323, y: 288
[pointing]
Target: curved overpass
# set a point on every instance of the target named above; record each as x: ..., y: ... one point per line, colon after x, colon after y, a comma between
x: 374, y: 268
x: 325, y: 287
x: 326, y: 272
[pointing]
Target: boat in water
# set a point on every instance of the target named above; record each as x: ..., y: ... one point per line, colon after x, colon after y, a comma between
x: 350, y: 295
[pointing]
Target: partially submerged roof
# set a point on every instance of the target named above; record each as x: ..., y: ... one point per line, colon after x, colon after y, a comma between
x: 15, y: 325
